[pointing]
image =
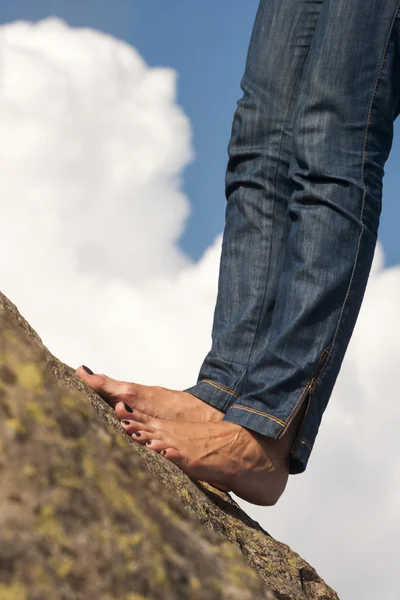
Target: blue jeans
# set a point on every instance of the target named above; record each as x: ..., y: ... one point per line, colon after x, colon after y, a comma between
x: 310, y: 138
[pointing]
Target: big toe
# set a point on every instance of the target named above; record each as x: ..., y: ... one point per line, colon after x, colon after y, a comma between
x: 108, y: 388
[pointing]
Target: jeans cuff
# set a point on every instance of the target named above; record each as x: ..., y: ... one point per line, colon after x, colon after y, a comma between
x: 255, y: 420
x: 213, y: 393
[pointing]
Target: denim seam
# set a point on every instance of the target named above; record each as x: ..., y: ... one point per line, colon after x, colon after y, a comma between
x: 306, y: 388
x: 300, y: 398
x: 364, y: 187
x: 332, y: 345
x: 318, y: 378
x: 220, y: 387
x: 306, y: 443
x: 310, y: 399
x: 303, y: 422
x: 257, y: 412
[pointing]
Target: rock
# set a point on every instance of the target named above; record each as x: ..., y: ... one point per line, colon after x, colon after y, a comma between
x: 86, y: 512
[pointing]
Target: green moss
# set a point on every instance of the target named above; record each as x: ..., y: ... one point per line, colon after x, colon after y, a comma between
x: 218, y: 587
x: 39, y: 576
x: 202, y: 513
x: 9, y: 336
x: 48, y: 527
x: 194, y: 583
x: 29, y: 377
x: 158, y: 574
x: 239, y: 572
x: 127, y: 545
x: 15, y: 591
x: 29, y: 470
x: 16, y: 425
x: 89, y: 467
x: 185, y: 494
x: 229, y: 551
x: 294, y: 562
x: 121, y: 440
x: 62, y: 565
x: 105, y: 437
x: 168, y: 513
x: 37, y: 413
x: 129, y: 540
x: 66, y: 474
x: 80, y: 444
x: 73, y: 482
x: 71, y: 401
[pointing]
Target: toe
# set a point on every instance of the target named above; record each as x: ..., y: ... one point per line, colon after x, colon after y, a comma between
x: 109, y: 389
x: 156, y: 445
x: 134, y: 427
x: 143, y: 437
x: 125, y: 411
x: 174, y: 456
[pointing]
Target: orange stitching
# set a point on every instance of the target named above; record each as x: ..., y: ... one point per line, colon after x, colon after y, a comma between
x: 299, y: 400
x: 303, y: 441
x: 306, y: 388
x: 221, y: 387
x: 258, y: 412
x: 310, y: 386
x: 327, y: 351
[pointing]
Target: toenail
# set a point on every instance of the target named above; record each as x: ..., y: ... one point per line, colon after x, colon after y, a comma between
x: 164, y: 452
x: 138, y: 434
x: 148, y: 442
x: 128, y: 408
x: 125, y: 422
x: 88, y: 370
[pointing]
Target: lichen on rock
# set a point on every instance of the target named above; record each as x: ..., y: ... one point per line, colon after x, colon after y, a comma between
x: 87, y: 512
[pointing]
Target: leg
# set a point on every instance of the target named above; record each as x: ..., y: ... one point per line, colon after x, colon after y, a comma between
x: 344, y: 111
x: 258, y: 191
x: 348, y: 100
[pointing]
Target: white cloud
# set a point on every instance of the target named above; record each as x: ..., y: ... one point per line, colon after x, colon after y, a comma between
x: 92, y: 150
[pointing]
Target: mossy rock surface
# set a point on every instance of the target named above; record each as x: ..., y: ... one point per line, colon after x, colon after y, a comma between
x: 88, y: 513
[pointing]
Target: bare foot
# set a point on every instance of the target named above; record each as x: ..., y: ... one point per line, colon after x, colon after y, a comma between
x: 152, y: 400
x: 254, y: 467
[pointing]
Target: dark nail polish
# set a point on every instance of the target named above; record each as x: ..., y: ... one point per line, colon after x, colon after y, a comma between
x: 128, y: 408
x: 125, y: 422
x: 138, y: 434
x: 148, y: 442
x: 164, y: 452
x: 88, y: 370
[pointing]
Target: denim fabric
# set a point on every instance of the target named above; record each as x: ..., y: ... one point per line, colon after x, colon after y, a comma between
x: 310, y: 138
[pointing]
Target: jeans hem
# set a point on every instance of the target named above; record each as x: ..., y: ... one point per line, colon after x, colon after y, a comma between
x: 222, y: 398
x: 213, y: 393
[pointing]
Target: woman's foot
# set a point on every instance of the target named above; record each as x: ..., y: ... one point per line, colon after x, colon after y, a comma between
x: 254, y: 467
x: 154, y: 401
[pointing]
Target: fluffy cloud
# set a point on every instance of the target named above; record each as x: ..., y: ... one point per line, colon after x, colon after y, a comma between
x: 92, y: 150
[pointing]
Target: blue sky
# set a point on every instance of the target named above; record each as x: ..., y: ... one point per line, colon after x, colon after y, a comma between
x: 206, y: 43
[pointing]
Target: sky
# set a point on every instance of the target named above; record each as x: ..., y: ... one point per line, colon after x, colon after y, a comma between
x: 113, y: 152
x: 206, y: 43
